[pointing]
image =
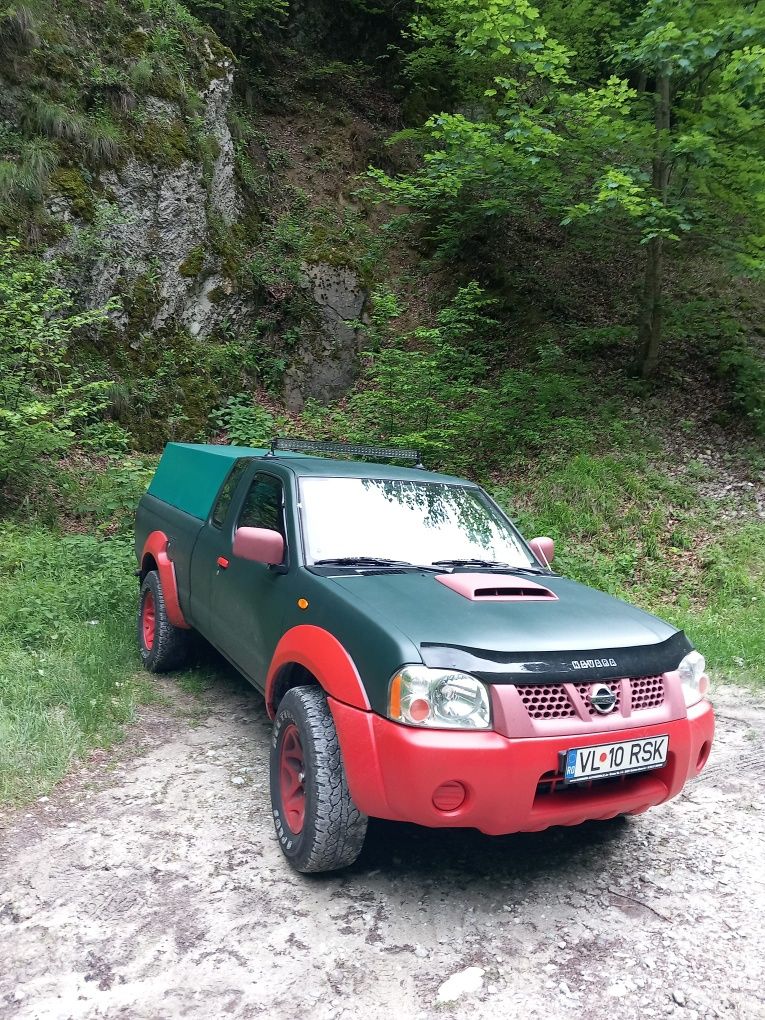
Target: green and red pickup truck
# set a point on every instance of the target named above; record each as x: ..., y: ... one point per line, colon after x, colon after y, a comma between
x: 420, y: 660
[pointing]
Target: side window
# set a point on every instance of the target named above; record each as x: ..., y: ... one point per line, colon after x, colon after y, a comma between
x: 262, y: 507
x: 227, y: 492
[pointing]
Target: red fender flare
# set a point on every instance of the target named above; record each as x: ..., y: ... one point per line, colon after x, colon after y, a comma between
x: 156, y: 547
x: 323, y: 655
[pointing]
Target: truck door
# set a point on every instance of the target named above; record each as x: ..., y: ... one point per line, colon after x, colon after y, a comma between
x: 248, y: 599
x: 204, y: 565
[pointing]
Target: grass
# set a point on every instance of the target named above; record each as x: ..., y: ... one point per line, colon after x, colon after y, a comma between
x: 629, y: 529
x: 68, y: 669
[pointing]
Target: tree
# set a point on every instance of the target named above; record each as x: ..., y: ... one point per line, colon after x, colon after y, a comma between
x: 668, y: 151
x: 707, y: 65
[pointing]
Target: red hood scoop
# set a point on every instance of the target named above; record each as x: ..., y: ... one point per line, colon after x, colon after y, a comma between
x: 496, y: 587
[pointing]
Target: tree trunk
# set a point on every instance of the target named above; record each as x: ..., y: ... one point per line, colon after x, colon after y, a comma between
x: 649, y: 327
x: 650, y: 315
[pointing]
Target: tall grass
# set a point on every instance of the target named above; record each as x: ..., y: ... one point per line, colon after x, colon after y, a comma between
x: 54, y: 120
x: 29, y: 172
x: 68, y: 668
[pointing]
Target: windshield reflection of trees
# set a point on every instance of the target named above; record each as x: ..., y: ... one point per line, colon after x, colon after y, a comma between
x: 440, y: 505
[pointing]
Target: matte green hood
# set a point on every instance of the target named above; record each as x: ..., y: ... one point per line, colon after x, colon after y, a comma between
x: 581, y: 620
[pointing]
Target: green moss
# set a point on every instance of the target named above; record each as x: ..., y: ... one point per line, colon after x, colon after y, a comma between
x: 142, y: 302
x: 217, y: 294
x: 192, y: 264
x: 69, y: 181
x: 165, y: 145
x: 135, y: 43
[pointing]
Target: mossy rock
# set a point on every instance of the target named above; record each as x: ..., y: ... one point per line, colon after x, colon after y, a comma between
x: 142, y: 302
x: 166, y: 145
x: 69, y: 181
x: 217, y: 295
x: 192, y: 264
x: 135, y: 43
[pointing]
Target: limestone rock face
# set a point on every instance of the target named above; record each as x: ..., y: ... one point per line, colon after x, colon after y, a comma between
x: 154, y: 242
x: 326, y: 364
x: 155, y: 231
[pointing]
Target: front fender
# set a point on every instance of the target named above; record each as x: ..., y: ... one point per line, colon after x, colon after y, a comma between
x: 322, y: 655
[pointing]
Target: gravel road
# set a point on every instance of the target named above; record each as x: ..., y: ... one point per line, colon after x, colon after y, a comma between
x: 150, y: 885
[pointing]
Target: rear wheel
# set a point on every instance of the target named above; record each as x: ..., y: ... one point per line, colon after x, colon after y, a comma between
x: 162, y: 646
x: 318, y: 826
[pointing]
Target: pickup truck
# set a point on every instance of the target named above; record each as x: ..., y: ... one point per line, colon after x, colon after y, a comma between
x: 420, y: 659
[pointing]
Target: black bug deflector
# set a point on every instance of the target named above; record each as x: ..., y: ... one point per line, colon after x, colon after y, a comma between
x: 533, y: 667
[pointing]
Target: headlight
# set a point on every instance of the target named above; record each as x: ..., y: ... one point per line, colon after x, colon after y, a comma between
x: 439, y: 699
x: 694, y: 680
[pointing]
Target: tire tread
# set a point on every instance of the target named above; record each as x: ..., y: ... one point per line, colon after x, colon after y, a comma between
x: 336, y: 836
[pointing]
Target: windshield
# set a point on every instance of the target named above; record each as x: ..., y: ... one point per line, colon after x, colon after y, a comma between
x: 417, y: 522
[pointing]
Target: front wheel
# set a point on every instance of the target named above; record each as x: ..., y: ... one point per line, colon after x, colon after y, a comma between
x: 318, y: 826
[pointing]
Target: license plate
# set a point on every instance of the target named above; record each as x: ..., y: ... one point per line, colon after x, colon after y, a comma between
x: 604, y: 760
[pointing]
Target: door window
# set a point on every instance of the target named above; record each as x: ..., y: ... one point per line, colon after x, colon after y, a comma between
x: 227, y: 492
x: 262, y: 506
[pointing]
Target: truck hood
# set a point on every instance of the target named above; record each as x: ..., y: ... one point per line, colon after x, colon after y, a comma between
x: 571, y: 631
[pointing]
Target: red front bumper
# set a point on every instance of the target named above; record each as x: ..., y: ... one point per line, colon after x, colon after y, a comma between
x: 393, y: 772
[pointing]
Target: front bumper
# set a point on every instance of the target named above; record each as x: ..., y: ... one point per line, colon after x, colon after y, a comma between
x: 393, y: 772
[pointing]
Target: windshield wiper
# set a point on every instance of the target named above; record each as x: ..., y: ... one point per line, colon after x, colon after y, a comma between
x: 369, y: 561
x: 494, y: 564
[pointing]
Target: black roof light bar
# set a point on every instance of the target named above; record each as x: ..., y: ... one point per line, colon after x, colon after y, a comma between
x: 315, y: 446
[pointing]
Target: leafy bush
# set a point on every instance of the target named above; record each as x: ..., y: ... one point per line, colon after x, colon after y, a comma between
x: 746, y: 367
x: 445, y: 391
x: 43, y: 398
x: 245, y: 423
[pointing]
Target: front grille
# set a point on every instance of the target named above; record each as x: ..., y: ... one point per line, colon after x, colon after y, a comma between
x: 613, y: 685
x: 547, y: 701
x: 647, y: 692
x: 552, y: 701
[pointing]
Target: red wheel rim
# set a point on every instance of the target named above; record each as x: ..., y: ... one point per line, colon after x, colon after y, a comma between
x: 148, y: 620
x: 292, y: 778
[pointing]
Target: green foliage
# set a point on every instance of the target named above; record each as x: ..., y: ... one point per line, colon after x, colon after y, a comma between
x: 746, y: 367
x: 242, y: 23
x: 244, y: 422
x: 43, y: 398
x: 446, y: 390
x: 523, y: 140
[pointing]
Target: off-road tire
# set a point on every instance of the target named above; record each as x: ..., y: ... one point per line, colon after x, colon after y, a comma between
x: 333, y: 829
x: 171, y: 645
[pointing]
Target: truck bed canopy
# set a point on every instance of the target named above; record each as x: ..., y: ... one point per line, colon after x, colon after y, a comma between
x: 189, y: 475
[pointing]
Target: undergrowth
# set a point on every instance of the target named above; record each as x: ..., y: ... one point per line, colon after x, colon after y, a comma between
x: 68, y: 669
x: 622, y: 525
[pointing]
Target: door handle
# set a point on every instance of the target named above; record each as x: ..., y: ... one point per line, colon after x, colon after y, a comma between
x: 222, y: 562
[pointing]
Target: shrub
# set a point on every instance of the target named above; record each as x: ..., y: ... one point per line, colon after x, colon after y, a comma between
x: 43, y: 398
x: 245, y: 423
x: 746, y: 367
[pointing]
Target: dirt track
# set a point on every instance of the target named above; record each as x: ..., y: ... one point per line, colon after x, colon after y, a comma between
x: 150, y: 885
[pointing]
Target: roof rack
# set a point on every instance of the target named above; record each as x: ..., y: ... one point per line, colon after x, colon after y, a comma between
x: 349, y: 449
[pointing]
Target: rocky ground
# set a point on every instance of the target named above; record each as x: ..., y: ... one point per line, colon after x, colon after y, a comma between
x: 150, y: 885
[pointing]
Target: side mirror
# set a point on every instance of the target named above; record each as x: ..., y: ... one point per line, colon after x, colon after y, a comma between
x: 261, y: 545
x: 543, y: 549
